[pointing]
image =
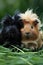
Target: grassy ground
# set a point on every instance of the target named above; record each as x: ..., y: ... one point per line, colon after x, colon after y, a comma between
x: 20, y: 58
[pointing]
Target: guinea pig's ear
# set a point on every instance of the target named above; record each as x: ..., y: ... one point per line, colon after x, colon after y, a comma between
x: 15, y: 16
x: 7, y: 20
x: 18, y: 21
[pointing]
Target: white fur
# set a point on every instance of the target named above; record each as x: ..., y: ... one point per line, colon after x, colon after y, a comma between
x: 29, y: 15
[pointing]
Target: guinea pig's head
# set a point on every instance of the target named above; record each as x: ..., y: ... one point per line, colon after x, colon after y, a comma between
x: 31, y: 25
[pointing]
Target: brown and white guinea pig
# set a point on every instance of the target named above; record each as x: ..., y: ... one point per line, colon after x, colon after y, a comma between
x: 31, y: 36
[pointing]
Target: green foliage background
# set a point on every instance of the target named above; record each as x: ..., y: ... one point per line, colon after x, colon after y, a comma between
x: 22, y: 58
x: 9, y: 6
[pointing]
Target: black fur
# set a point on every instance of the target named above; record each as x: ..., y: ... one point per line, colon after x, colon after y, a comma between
x: 10, y: 31
x: 18, y: 21
x: 7, y: 20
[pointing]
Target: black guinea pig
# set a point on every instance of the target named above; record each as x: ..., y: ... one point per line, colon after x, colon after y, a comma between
x: 10, y: 31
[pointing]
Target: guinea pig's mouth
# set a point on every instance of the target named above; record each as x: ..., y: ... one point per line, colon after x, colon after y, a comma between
x: 30, y: 37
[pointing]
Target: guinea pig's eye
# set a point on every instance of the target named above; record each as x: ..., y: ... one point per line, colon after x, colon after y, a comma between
x: 35, y: 22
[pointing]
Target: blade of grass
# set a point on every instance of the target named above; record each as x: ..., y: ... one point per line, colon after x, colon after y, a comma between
x: 17, y: 48
x: 26, y: 61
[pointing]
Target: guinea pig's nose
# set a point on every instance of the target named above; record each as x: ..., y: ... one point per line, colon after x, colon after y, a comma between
x: 27, y: 34
x: 32, y: 27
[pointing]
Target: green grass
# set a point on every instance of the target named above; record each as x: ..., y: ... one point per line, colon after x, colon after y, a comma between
x: 20, y: 58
